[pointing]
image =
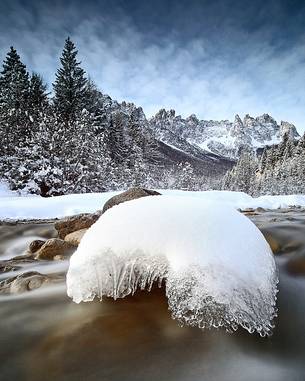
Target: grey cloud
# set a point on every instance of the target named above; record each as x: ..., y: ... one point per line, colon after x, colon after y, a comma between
x: 214, y: 74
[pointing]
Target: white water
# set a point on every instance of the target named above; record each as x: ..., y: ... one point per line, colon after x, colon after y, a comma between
x: 218, y: 269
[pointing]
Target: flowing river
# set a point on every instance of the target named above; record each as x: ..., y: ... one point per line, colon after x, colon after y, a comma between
x: 45, y: 336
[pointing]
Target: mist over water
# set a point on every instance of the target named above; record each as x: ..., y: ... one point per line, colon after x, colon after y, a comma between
x: 45, y: 336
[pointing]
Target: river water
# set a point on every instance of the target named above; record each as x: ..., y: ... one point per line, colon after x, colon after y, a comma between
x: 45, y: 336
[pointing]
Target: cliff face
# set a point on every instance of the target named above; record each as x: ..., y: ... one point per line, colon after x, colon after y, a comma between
x: 223, y: 138
x: 129, y: 132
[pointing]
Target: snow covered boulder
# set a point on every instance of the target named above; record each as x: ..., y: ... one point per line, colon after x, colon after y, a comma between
x: 218, y: 269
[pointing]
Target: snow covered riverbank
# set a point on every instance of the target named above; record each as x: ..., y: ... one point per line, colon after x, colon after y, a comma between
x: 16, y: 207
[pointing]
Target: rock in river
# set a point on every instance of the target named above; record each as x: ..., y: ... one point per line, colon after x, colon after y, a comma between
x: 36, y: 245
x: 130, y: 194
x: 23, y: 282
x: 72, y: 224
x: 74, y: 238
x: 55, y: 247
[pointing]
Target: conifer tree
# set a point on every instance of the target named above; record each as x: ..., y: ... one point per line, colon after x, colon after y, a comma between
x: 38, y: 96
x: 118, y: 139
x: 70, y: 85
x: 14, y: 97
x: 242, y: 177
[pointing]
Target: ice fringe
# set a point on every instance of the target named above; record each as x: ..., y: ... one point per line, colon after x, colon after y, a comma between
x: 217, y: 267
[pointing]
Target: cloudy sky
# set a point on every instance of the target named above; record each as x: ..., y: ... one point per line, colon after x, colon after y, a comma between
x: 213, y: 58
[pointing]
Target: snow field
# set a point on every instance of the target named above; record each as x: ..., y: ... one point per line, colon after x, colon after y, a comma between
x: 17, y: 207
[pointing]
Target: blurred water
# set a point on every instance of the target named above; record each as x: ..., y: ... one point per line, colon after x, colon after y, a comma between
x: 45, y: 336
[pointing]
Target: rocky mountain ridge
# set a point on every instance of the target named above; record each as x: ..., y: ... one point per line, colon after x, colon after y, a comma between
x: 126, y: 125
x: 223, y: 138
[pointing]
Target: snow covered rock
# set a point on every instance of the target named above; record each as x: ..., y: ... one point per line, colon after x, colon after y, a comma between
x: 218, y: 269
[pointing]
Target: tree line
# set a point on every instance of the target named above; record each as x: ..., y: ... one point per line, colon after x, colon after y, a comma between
x: 78, y: 139
x: 279, y: 169
x: 47, y: 143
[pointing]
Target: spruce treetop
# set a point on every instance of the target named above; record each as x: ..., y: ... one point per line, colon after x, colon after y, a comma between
x: 14, y: 81
x: 38, y: 98
x: 70, y: 84
x: 13, y: 63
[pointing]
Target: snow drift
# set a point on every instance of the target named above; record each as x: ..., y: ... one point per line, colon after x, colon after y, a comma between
x: 217, y: 266
x: 5, y: 190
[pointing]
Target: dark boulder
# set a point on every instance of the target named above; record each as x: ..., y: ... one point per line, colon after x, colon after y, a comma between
x: 36, y: 245
x: 130, y: 194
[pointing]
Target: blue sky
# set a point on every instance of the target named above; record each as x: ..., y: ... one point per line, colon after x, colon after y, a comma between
x: 212, y: 58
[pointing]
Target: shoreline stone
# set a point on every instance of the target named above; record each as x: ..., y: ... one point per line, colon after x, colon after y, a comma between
x: 71, y: 224
x: 36, y: 245
x: 74, y: 238
x: 27, y: 281
x: 53, y: 247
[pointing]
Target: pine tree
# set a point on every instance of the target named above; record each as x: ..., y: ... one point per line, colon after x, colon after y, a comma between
x: 14, y: 97
x: 38, y: 97
x: 263, y: 160
x: 118, y: 139
x: 186, y: 178
x: 242, y: 177
x: 93, y: 97
x: 70, y: 85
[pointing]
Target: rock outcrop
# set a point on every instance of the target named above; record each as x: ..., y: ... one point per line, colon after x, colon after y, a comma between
x: 223, y: 138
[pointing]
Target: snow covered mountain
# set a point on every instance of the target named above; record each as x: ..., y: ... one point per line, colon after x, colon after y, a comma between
x: 222, y: 138
x: 128, y: 126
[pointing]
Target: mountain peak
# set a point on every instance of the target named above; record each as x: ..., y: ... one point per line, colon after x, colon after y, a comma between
x: 289, y: 129
x: 237, y: 120
x: 265, y: 118
x: 223, y: 137
x: 165, y: 114
x: 192, y: 119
